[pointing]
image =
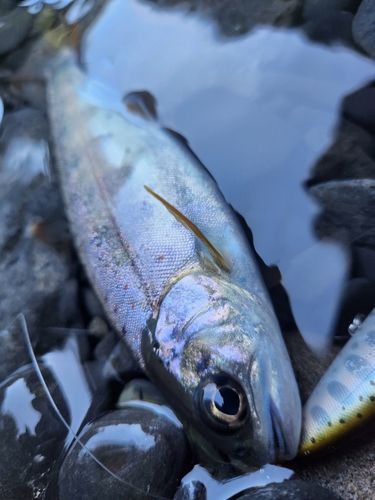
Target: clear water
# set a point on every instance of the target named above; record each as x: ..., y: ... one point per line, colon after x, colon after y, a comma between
x: 259, y: 111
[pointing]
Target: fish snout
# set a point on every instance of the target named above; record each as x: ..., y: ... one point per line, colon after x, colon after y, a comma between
x: 278, y: 409
x: 285, y: 413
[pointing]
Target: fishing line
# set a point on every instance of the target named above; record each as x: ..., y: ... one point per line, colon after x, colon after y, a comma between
x: 42, y: 381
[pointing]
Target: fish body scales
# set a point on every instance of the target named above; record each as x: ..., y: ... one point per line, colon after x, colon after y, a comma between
x: 197, y: 330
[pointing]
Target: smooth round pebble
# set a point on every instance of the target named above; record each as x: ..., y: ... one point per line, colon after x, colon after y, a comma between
x: 147, y: 453
x: 290, y: 490
x: 32, y: 435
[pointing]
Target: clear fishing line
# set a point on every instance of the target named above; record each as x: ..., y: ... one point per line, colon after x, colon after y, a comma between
x: 25, y: 332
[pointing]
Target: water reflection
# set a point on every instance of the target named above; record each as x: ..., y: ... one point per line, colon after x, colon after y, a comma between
x: 258, y: 111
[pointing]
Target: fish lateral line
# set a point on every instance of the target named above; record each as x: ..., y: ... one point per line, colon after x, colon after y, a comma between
x: 190, y: 226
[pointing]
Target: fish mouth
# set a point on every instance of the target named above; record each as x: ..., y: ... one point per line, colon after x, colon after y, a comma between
x: 281, y: 448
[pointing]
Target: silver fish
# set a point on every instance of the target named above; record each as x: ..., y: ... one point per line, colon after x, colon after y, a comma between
x: 345, y: 396
x: 202, y: 329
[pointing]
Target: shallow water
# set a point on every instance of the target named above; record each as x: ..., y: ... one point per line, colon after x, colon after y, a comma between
x: 258, y: 110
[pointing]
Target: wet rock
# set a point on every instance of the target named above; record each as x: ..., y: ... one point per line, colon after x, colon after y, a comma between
x: 35, y: 251
x: 292, y: 490
x: 195, y: 490
x: 147, y: 452
x: 329, y: 22
x: 351, y: 156
x: 358, y: 301
x: 7, y: 5
x: 14, y: 27
x: 363, y: 265
x: 364, y: 27
x: 333, y: 26
x: 120, y: 363
x: 359, y: 107
x: 13, y: 351
x: 140, y: 389
x: 31, y: 435
x: 348, y: 211
x: 236, y: 17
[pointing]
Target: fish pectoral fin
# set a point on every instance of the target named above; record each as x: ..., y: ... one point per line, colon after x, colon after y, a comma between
x: 141, y: 103
x: 190, y: 226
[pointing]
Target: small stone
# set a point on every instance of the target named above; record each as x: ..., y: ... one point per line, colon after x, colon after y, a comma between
x: 291, y: 490
x: 35, y: 270
x: 329, y: 21
x: 146, y: 452
x: 121, y: 364
x: 142, y: 390
x: 364, y: 26
x: 348, y: 211
x: 192, y: 491
x: 359, y: 107
x: 351, y: 156
x: 14, y: 27
x: 32, y: 435
x: 98, y: 327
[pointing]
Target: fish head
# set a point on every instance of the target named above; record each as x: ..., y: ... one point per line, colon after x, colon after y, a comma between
x: 219, y: 358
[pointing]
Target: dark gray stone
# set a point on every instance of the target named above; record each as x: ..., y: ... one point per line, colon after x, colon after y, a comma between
x: 351, y: 156
x: 364, y: 27
x: 31, y: 435
x: 291, y: 490
x: 192, y: 491
x: 140, y: 389
x: 7, y: 5
x: 329, y: 21
x: 359, y: 107
x: 35, y: 248
x: 14, y: 27
x: 147, y: 452
x: 236, y: 17
x: 348, y: 213
x: 13, y: 351
x: 120, y: 363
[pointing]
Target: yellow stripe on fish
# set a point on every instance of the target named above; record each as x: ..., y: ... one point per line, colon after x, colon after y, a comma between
x: 190, y: 226
x: 345, y: 395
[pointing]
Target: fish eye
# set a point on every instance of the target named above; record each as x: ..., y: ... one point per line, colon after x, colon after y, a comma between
x: 222, y: 403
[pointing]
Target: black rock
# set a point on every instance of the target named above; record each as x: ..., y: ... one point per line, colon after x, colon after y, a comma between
x: 147, y: 453
x: 120, y: 363
x: 140, y: 389
x: 329, y: 21
x: 364, y: 27
x: 351, y: 156
x: 32, y: 435
x: 291, y: 490
x: 348, y: 211
x: 13, y: 351
x: 14, y: 27
x: 359, y: 107
x: 236, y: 17
x: 35, y: 248
x: 192, y: 491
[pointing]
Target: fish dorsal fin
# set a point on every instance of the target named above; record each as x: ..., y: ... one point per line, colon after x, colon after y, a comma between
x: 189, y: 225
x: 141, y: 103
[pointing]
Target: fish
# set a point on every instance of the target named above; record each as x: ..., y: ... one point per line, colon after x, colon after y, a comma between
x: 344, y: 398
x: 173, y: 269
